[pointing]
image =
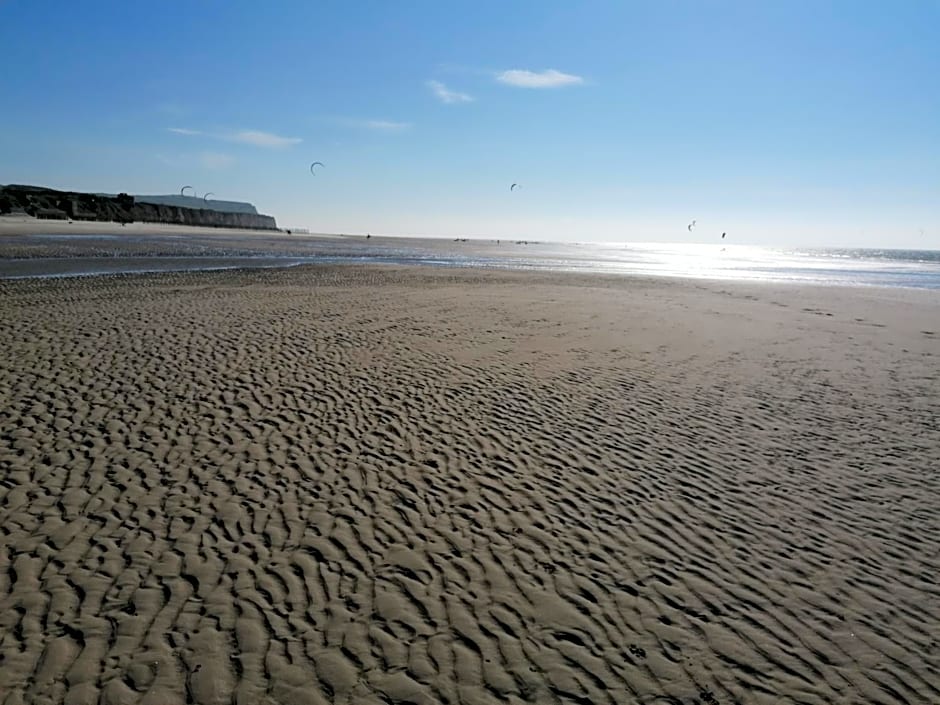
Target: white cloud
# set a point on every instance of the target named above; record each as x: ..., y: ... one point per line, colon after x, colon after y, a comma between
x: 549, y: 78
x: 376, y: 125
x: 385, y: 125
x: 262, y: 139
x: 256, y: 138
x: 445, y: 95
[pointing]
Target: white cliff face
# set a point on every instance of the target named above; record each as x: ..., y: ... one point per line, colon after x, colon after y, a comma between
x: 199, y: 203
x: 153, y: 213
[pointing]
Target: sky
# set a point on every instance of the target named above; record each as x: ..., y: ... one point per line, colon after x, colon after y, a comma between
x: 800, y: 122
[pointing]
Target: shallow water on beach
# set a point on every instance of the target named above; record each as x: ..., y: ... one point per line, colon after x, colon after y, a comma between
x: 43, y: 255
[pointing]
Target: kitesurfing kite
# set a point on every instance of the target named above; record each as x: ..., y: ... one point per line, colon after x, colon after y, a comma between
x: 691, y: 225
x: 514, y: 187
x: 206, y: 197
x: 315, y: 164
x: 186, y: 187
x: 723, y: 235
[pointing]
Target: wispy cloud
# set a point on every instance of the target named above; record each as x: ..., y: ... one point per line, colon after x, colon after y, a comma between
x: 257, y: 138
x: 550, y: 78
x: 365, y: 124
x: 262, y: 139
x: 446, y: 95
x: 385, y: 125
x: 374, y: 125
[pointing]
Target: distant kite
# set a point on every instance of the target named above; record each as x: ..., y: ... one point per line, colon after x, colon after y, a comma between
x: 514, y: 187
x: 315, y: 164
x: 723, y: 235
x: 206, y: 197
x: 691, y: 226
x: 186, y: 187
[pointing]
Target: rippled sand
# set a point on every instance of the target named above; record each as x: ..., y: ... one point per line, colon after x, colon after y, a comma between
x: 380, y: 485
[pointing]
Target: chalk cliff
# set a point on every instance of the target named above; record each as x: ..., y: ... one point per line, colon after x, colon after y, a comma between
x: 72, y: 205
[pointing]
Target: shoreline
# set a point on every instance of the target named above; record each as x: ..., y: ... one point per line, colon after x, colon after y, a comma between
x: 44, y: 268
x: 92, y: 249
x: 813, y: 295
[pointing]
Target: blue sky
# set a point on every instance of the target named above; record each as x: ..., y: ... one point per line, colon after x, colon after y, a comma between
x: 791, y: 122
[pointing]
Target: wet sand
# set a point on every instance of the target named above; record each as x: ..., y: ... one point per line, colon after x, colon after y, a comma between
x: 49, y: 248
x: 390, y: 485
x: 29, y: 245
x: 14, y: 225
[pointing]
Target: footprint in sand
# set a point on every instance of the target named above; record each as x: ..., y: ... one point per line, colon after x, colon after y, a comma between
x: 708, y: 697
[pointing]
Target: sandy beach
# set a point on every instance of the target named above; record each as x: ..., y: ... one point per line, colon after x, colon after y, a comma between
x: 15, y: 228
x: 398, y: 485
x: 25, y: 225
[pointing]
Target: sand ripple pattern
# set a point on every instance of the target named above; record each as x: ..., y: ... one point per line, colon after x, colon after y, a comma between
x: 357, y: 485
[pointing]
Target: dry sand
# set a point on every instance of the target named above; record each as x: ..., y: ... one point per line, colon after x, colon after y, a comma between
x: 382, y: 485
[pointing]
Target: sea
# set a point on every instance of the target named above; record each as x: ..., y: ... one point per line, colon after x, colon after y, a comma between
x: 58, y: 255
